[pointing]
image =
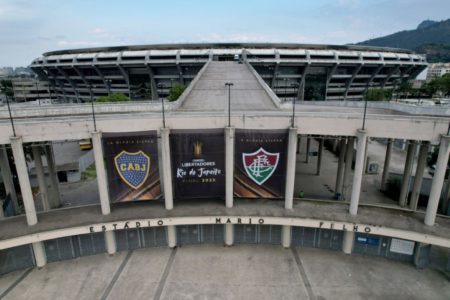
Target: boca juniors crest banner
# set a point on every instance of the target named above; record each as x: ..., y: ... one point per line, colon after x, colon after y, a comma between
x: 198, y: 163
x: 132, y: 166
x: 260, y: 163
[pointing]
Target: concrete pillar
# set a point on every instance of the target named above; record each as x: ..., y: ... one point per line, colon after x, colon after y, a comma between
x: 290, y: 170
x: 171, y: 236
x: 229, y: 235
x: 8, y: 178
x: 438, y: 181
x: 347, y: 243
x: 167, y: 168
x: 340, y: 169
x: 308, y: 148
x: 418, y: 178
x: 319, y: 157
x: 359, y: 170
x: 229, y: 165
x: 404, y: 190
x: 110, y: 242
x: 387, y: 161
x: 39, y: 254
x: 55, y: 197
x: 348, y: 167
x: 101, y: 173
x: 286, y: 236
x: 41, y: 177
x: 24, y: 180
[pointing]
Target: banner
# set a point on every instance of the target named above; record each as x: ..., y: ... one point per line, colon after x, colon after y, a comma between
x: 198, y: 163
x: 132, y: 166
x: 260, y: 163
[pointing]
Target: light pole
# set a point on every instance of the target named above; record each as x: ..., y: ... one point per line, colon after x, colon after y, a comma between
x: 108, y: 86
x: 285, y: 88
x: 229, y: 85
x: 92, y: 108
x: 161, y: 86
x: 294, y: 85
x: 10, y: 116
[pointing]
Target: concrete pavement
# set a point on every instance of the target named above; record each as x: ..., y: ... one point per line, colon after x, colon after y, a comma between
x: 216, y: 272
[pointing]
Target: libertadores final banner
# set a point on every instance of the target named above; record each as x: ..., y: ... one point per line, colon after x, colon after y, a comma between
x: 198, y: 163
x: 260, y: 163
x: 132, y: 166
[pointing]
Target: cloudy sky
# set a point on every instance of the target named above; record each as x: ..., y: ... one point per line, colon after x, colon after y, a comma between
x: 30, y: 27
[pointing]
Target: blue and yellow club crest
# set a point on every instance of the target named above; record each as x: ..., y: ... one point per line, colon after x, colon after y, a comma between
x: 133, y: 167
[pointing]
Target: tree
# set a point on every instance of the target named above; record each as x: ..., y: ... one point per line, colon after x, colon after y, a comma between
x: 378, y: 95
x: 6, y: 87
x: 176, y: 91
x: 405, y: 88
x: 443, y: 84
x: 114, y: 97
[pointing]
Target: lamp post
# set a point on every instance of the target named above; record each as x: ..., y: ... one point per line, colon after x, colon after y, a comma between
x: 294, y: 85
x: 161, y: 86
x: 10, y: 115
x: 92, y: 108
x: 285, y: 88
x: 229, y: 84
x: 108, y: 86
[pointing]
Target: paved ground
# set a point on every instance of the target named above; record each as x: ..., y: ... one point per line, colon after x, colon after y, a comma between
x: 215, y: 272
x: 211, y: 94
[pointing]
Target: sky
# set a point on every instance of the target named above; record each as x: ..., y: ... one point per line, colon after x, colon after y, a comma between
x: 29, y: 28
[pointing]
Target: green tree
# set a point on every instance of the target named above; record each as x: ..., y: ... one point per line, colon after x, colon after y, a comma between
x: 114, y: 97
x: 405, y: 88
x: 443, y: 84
x: 378, y: 95
x: 6, y: 87
x: 176, y: 91
x: 429, y: 88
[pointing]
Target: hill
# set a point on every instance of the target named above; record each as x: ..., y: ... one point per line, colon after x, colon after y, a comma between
x: 430, y: 37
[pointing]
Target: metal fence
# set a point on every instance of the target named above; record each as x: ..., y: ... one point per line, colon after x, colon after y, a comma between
x: 16, y: 258
x: 141, y: 238
x: 317, y: 238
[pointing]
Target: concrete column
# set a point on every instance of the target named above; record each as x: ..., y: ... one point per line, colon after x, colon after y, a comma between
x: 229, y: 235
x: 290, y: 170
x: 359, y: 170
x: 55, y: 198
x: 340, y: 169
x: 387, y: 161
x: 347, y: 243
x: 319, y: 157
x: 286, y: 236
x: 418, y: 178
x: 8, y: 178
x: 171, y: 236
x: 229, y: 165
x: 110, y: 242
x: 101, y: 173
x: 167, y: 168
x: 348, y: 167
x: 40, y: 177
x: 308, y: 147
x: 39, y: 254
x: 404, y: 190
x: 24, y: 180
x: 438, y: 181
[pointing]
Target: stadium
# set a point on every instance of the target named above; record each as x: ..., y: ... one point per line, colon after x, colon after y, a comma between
x: 250, y: 153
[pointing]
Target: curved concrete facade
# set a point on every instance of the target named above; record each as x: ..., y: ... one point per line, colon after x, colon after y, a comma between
x: 293, y: 71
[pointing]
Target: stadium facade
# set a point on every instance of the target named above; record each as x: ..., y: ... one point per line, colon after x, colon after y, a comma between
x: 206, y: 172
x: 293, y: 71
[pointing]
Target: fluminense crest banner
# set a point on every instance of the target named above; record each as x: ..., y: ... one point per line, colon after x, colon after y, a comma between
x: 260, y: 163
x: 198, y: 163
x: 132, y: 166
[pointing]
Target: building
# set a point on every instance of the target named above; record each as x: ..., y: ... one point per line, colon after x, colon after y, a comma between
x: 304, y: 72
x: 30, y: 90
x: 220, y: 164
x: 437, y: 70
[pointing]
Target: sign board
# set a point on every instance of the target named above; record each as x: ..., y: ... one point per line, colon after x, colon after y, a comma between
x: 132, y: 166
x: 402, y: 246
x: 260, y: 163
x: 198, y: 163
